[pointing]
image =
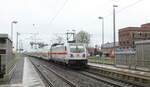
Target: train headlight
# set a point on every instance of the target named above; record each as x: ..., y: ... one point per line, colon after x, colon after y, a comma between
x: 83, y: 55
x: 71, y: 55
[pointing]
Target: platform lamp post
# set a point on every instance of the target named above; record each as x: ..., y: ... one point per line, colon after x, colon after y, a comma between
x: 13, y: 22
x: 17, y: 50
x: 114, y: 30
x: 101, y: 18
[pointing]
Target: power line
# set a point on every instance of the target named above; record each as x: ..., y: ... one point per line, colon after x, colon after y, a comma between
x: 130, y: 5
x: 53, y: 18
x: 126, y: 7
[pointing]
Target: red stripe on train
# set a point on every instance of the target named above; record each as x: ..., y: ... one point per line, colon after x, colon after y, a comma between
x: 63, y: 53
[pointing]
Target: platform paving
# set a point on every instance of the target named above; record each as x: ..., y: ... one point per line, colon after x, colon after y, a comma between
x: 30, y: 76
x: 120, y: 69
x: 25, y: 75
x: 18, y: 75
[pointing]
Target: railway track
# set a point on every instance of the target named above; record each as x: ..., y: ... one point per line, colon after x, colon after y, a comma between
x: 88, y: 74
x: 43, y: 74
x: 61, y: 77
x: 104, y: 79
x: 44, y: 77
x: 108, y: 79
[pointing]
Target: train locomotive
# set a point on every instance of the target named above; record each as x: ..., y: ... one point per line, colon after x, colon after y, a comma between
x: 68, y: 53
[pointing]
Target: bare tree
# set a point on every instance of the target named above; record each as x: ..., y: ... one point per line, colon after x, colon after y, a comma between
x: 59, y: 38
x: 82, y: 37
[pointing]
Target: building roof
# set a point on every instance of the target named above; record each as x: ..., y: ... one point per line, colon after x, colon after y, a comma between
x: 147, y: 25
x: 3, y: 35
x: 144, y: 27
x: 109, y: 45
x: 134, y: 29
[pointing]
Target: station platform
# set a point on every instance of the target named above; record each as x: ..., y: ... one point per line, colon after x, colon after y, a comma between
x: 30, y: 76
x: 25, y: 75
x: 112, y: 67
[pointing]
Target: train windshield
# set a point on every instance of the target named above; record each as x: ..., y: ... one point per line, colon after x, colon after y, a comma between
x: 77, y: 49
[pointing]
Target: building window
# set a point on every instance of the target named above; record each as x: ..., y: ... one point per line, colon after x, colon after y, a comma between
x: 123, y: 42
x: 133, y: 35
x: 120, y: 43
x: 2, y: 51
x: 2, y: 40
x: 127, y: 42
x: 140, y: 33
x: 145, y: 34
x: 133, y: 43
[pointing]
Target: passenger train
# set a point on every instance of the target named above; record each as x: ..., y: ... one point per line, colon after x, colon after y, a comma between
x: 68, y: 53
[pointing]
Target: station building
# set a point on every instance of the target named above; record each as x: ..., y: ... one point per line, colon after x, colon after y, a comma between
x: 6, y: 55
x: 128, y: 35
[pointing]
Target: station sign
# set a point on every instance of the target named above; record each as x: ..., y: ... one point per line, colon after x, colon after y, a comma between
x: 125, y: 51
x: 21, y: 49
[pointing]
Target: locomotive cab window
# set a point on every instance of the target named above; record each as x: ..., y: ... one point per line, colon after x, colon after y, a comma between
x: 76, y: 49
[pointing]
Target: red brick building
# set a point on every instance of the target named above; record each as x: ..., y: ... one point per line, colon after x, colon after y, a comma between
x: 108, y: 48
x: 128, y: 35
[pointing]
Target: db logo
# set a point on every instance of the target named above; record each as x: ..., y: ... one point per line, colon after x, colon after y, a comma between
x: 78, y: 54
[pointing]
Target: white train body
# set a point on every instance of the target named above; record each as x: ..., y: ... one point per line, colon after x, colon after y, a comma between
x: 41, y: 53
x: 70, y: 53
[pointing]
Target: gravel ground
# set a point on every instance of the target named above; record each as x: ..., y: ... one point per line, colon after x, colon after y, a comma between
x: 73, y: 75
x: 18, y: 75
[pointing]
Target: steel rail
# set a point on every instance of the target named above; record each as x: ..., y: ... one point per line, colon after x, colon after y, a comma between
x: 60, y: 76
x: 104, y: 79
x: 134, y: 84
x: 49, y: 83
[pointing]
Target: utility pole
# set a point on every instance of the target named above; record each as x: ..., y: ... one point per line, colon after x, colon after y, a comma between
x: 114, y: 28
x: 102, y: 36
x: 13, y: 22
x: 34, y: 39
x: 35, y: 34
x: 102, y: 29
x: 17, y: 42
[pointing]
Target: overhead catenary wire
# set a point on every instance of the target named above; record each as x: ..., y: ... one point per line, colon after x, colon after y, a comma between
x: 130, y: 5
x: 126, y: 7
x: 58, y: 12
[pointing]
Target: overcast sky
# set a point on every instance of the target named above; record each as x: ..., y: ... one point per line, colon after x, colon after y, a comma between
x: 57, y: 16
